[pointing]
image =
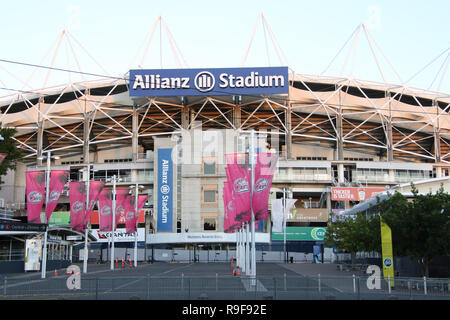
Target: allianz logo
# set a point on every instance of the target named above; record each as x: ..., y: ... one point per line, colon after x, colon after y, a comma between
x: 205, y: 81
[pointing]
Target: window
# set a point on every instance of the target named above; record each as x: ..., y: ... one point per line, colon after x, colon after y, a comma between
x: 209, y: 196
x: 209, y: 166
x: 209, y: 224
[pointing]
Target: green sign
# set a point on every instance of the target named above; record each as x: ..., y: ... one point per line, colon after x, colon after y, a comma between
x: 60, y: 218
x: 301, y: 233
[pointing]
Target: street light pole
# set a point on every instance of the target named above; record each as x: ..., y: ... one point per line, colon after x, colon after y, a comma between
x: 47, y: 190
x: 113, y: 220
x: 284, y: 224
x: 86, y: 231
x: 252, y: 166
x: 136, y: 196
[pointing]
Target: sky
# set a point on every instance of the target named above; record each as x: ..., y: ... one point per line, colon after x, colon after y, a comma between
x: 409, y: 41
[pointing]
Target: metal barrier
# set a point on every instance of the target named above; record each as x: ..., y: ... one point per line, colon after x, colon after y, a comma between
x: 225, y: 287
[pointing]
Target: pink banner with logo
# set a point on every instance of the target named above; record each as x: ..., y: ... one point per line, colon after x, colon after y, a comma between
x: 121, y: 195
x: 238, y: 175
x: 354, y: 194
x: 77, y: 199
x: 265, y: 167
x: 130, y: 215
x: 230, y: 224
x: 95, y: 187
x: 58, y: 179
x: 35, y: 193
x: 105, y: 210
x: 2, y: 156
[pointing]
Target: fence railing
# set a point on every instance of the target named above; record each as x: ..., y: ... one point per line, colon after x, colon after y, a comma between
x: 217, y: 287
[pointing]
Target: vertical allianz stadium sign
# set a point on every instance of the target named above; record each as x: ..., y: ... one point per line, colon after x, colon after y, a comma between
x: 216, y: 81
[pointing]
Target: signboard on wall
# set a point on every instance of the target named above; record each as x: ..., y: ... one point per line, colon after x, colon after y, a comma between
x: 301, y: 234
x: 120, y: 235
x: 165, y: 191
x: 354, y: 194
x: 210, y: 81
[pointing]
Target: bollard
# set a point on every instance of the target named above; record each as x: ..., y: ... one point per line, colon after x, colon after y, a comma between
x: 182, y: 281
x: 131, y: 265
x: 148, y: 286
x: 285, y: 282
x: 425, y: 285
x: 122, y: 263
x: 354, y: 284
x: 217, y: 282
x: 117, y: 263
x: 389, y: 284
x: 318, y: 280
x: 4, y: 286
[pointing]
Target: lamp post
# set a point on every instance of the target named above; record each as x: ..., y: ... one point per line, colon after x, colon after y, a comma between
x: 86, y: 230
x: 47, y: 192
x: 252, y: 154
x: 284, y: 224
x: 114, y: 179
x: 136, y: 194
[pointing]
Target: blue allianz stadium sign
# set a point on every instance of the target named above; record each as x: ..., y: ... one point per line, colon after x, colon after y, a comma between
x: 211, y: 82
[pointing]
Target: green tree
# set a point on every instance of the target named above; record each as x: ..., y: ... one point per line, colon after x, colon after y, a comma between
x: 353, y: 234
x: 9, y: 148
x: 421, y: 227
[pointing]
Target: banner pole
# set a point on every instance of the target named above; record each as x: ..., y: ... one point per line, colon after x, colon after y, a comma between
x: 47, y: 189
x: 284, y: 224
x: 86, y: 207
x: 113, y: 220
x: 135, y: 232
x: 252, y: 165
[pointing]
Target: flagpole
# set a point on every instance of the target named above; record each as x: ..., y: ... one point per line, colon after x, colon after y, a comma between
x: 86, y: 226
x: 252, y: 165
x: 47, y: 189
x: 247, y: 248
x: 113, y: 220
x: 284, y: 224
x: 135, y: 232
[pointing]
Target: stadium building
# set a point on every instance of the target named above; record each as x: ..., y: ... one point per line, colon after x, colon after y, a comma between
x: 329, y: 133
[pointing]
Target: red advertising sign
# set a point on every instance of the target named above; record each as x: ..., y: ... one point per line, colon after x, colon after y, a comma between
x: 354, y: 194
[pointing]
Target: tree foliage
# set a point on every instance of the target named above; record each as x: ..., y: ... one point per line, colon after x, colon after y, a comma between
x: 421, y: 227
x: 353, y: 234
x: 8, y: 147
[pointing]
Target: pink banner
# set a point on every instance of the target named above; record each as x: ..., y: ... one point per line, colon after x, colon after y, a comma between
x: 264, y: 169
x: 238, y: 175
x: 130, y: 214
x: 58, y: 179
x: 105, y: 210
x: 2, y: 156
x: 230, y: 224
x: 95, y: 187
x: 77, y: 199
x: 121, y: 195
x: 35, y: 193
x: 354, y: 194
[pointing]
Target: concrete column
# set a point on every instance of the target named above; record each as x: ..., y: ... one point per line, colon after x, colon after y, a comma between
x: 389, y: 142
x: 135, y: 136
x: 340, y: 133
x: 340, y: 168
x: 86, y: 139
x: 437, y: 136
x: 288, y: 140
x: 185, y: 117
x: 237, y: 116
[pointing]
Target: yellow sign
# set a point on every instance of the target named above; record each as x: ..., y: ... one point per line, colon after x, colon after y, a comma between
x: 386, y: 248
